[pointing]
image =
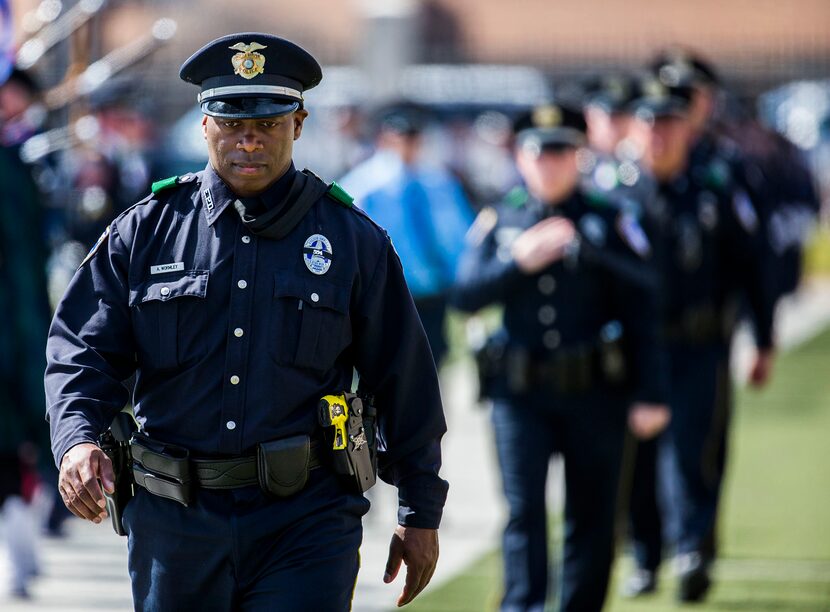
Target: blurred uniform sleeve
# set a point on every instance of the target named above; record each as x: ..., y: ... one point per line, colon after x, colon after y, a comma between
x: 749, y: 263
x: 394, y: 361
x: 90, y: 348
x: 486, y: 271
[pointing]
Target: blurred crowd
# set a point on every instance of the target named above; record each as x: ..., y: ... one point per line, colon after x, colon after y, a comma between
x: 449, y: 181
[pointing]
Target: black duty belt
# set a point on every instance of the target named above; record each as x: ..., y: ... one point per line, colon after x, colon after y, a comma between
x: 237, y: 472
x: 279, y: 467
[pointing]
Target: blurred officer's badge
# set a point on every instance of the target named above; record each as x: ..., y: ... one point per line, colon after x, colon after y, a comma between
x: 317, y: 254
x: 96, y: 246
x: 689, y: 244
x: 248, y: 63
x: 707, y: 210
x: 633, y: 234
x: 745, y: 212
x: 547, y: 116
x: 654, y: 88
x: 593, y: 228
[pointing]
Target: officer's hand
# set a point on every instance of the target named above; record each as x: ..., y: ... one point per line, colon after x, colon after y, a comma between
x: 418, y: 549
x: 81, y: 467
x: 541, y: 245
x: 761, y: 370
x: 647, y: 420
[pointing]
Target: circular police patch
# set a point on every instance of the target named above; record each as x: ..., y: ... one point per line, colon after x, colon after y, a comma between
x: 317, y: 254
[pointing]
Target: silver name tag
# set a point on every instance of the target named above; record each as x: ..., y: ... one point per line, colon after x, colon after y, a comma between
x: 171, y: 267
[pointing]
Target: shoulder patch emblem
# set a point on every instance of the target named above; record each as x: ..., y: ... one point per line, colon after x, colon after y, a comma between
x: 101, y: 240
x: 745, y: 212
x: 633, y: 234
x: 484, y: 223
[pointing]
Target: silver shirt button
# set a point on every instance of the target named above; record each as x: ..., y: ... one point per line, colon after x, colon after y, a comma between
x: 242, y: 284
x: 165, y: 290
x: 315, y: 297
x: 231, y: 425
x: 238, y: 332
x: 234, y: 379
x: 246, y: 239
x: 547, y: 314
x: 551, y: 339
x: 546, y: 284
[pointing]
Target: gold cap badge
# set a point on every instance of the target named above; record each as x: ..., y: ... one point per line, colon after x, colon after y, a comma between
x: 248, y: 63
x: 547, y: 116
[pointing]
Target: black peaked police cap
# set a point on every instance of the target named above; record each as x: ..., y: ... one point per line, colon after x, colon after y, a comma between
x: 251, y: 75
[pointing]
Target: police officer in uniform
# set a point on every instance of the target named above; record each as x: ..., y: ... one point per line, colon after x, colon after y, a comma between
x: 240, y: 296
x: 577, y: 347
x: 708, y: 250
x: 762, y: 163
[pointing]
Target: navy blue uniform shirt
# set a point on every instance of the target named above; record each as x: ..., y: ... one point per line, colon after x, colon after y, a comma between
x: 711, y: 250
x: 607, y: 277
x: 234, y: 339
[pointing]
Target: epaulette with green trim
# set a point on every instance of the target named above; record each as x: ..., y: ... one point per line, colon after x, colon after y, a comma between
x: 171, y: 182
x: 340, y: 195
x: 599, y: 199
x: 516, y: 197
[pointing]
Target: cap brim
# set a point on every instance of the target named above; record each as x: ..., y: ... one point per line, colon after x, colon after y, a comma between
x: 248, y: 108
x: 551, y: 138
x: 671, y: 107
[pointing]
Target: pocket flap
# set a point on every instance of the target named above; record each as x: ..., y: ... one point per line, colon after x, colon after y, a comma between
x: 190, y: 283
x: 315, y: 292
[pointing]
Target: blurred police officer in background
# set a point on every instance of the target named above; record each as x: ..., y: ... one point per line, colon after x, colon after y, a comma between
x: 25, y: 308
x: 758, y: 160
x: 578, y: 346
x: 611, y: 165
x: 709, y: 252
x: 422, y: 207
x: 240, y: 296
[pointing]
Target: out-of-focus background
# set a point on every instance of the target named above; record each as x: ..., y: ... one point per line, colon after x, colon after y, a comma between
x: 114, y: 117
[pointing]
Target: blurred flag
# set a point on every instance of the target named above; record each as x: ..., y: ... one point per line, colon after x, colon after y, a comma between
x: 6, y: 41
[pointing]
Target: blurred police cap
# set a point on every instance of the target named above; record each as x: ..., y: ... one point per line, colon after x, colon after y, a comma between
x: 403, y: 117
x: 251, y: 75
x: 658, y: 99
x: 611, y: 92
x: 552, y: 126
x: 680, y: 65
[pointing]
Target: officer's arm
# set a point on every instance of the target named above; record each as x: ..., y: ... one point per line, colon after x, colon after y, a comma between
x: 90, y: 348
x: 395, y: 364
x: 634, y: 287
x: 486, y: 273
x: 748, y: 261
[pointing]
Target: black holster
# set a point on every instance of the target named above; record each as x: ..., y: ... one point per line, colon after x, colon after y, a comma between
x: 115, y: 442
x: 358, y: 460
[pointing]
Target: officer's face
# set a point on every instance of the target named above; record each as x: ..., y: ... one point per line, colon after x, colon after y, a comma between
x: 250, y: 154
x: 701, y: 108
x: 606, y: 130
x: 550, y: 175
x: 665, y: 143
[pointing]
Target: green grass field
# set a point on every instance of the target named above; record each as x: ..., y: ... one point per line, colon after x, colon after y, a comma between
x: 775, y: 528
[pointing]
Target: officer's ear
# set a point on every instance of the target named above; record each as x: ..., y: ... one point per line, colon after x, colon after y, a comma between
x: 299, y: 116
x: 204, y: 126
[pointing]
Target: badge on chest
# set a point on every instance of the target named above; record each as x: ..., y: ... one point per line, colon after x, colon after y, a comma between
x: 317, y: 254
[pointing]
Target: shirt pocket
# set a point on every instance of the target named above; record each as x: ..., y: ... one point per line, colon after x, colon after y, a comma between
x: 310, y: 324
x: 158, y: 306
